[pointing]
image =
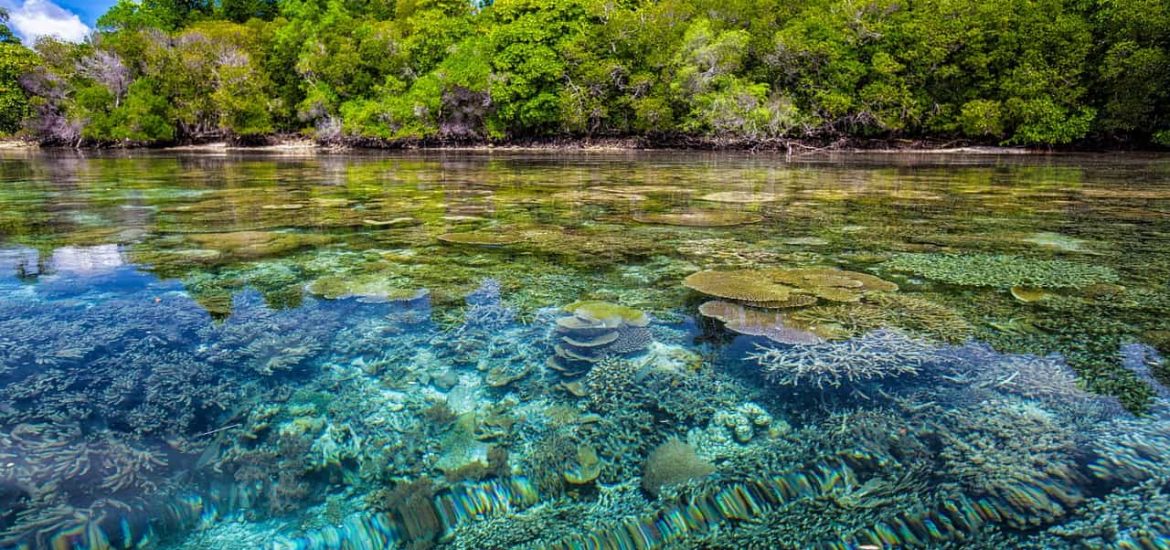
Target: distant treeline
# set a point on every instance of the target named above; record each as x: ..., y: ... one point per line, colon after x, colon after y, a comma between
x: 1036, y: 72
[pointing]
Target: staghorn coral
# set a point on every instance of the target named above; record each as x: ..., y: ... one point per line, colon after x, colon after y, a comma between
x: 909, y: 313
x: 878, y: 354
x: 1001, y: 271
x: 1020, y: 454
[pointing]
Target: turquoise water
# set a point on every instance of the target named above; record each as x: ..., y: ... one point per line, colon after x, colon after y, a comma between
x: 607, y: 350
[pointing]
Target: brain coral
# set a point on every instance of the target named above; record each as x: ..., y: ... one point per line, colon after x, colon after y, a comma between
x: 1001, y: 271
x: 670, y: 463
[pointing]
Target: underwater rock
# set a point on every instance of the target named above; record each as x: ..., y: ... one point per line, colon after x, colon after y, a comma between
x: 672, y: 463
x: 806, y: 241
x: 595, y: 330
x: 669, y: 358
x: 699, y: 218
x: 502, y: 375
x: 756, y: 322
x: 336, y: 443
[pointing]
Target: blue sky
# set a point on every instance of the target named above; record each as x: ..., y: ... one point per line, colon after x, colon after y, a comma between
x: 89, y: 11
x: 67, y: 19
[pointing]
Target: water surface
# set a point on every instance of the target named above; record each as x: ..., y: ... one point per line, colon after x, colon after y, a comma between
x: 495, y: 350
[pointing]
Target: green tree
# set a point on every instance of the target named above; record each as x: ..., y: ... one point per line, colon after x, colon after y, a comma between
x: 15, y: 62
x: 529, y: 71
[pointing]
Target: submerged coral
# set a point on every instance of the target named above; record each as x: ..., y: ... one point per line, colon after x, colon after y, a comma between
x: 369, y: 288
x: 785, y: 288
x: 594, y: 330
x: 1001, y: 271
x: 699, y: 218
x: 482, y: 238
x: 878, y: 354
x: 671, y: 463
x: 757, y: 322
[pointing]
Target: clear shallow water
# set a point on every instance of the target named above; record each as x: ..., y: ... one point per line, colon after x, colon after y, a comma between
x: 663, y: 350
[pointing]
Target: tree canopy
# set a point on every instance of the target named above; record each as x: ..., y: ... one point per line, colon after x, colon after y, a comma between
x: 1035, y: 72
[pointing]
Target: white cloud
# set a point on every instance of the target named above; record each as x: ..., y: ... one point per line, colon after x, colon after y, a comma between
x: 36, y: 18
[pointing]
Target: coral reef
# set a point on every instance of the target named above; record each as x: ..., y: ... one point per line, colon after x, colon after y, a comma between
x: 906, y: 312
x: 1001, y: 271
x: 178, y: 368
x: 877, y: 354
x: 671, y: 463
x: 482, y: 238
x: 784, y: 288
x: 594, y: 330
x: 698, y: 218
x: 369, y: 288
x: 745, y: 197
x: 757, y: 322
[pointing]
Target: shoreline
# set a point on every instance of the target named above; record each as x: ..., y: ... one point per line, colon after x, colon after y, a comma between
x: 298, y: 145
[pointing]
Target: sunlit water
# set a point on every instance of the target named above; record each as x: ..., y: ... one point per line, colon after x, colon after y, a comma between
x: 584, y: 351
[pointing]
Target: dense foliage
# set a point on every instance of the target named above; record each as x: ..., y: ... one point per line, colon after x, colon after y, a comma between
x: 998, y: 71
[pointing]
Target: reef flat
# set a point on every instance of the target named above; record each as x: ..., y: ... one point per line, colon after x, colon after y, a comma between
x: 615, y: 350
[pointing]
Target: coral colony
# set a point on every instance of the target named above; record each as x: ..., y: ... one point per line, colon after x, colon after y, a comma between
x: 557, y: 371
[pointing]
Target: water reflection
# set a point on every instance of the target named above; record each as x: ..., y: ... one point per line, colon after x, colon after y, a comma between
x: 477, y: 352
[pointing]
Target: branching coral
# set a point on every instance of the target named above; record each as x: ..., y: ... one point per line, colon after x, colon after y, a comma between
x: 1001, y: 271
x: 1015, y: 451
x: 909, y: 313
x: 878, y: 354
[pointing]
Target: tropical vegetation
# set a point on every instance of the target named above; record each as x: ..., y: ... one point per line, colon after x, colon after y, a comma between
x: 1031, y: 72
